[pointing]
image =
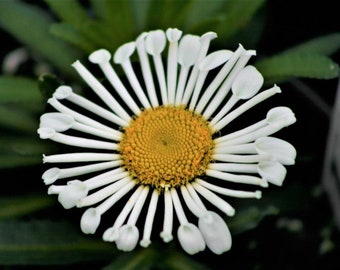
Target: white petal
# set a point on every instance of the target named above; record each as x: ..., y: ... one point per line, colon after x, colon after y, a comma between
x: 100, y: 56
x: 80, y: 157
x: 46, y: 133
x: 281, y: 116
x: 146, y: 69
x: 145, y: 242
x: 90, y: 221
x: 214, y: 199
x: 101, y: 194
x: 215, y: 232
x: 188, y: 50
x: 149, y: 219
x: 155, y: 42
x: 74, y: 191
x: 90, y: 106
x: 128, y: 237
x: 247, y: 83
x: 56, y: 173
x: 207, y: 37
x: 131, y: 202
x: 280, y: 150
x: 173, y: 34
x: 141, y: 38
x: 51, y: 175
x: 62, y: 92
x: 246, y: 106
x: 58, y: 121
x: 230, y: 192
x: 190, y: 202
x: 190, y: 238
x: 272, y: 171
x: 166, y: 234
x: 55, y: 189
x: 124, y: 52
x: 215, y: 59
x: 111, y: 234
x: 49, y: 133
x: 101, y: 91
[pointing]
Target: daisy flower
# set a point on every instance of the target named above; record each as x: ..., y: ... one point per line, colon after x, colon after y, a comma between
x: 157, y: 142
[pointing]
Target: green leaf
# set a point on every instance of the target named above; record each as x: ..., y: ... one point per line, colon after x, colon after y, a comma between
x: 167, y: 13
x: 24, y: 146
x: 136, y: 260
x: 206, y: 25
x: 48, y: 83
x: 18, y: 151
x: 237, y: 16
x: 325, y: 45
x: 308, y: 60
x: 255, y: 26
x: 248, y: 218
x: 139, y: 11
x: 273, y: 203
x: 18, y: 89
x: 89, y: 34
x: 14, y: 207
x: 76, y: 26
x: 202, y: 11
x: 101, y: 35
x: 229, y: 17
x: 39, y: 39
x: 98, y: 7
x: 69, y: 11
x: 70, y: 34
x: 48, y: 243
x: 155, y: 258
x: 15, y: 118
x: 9, y: 161
x: 117, y: 17
x: 283, y: 66
x: 177, y: 260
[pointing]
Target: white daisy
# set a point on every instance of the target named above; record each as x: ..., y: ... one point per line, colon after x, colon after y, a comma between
x: 157, y: 138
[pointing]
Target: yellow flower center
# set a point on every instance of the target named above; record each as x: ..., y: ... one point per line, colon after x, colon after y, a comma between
x: 166, y: 147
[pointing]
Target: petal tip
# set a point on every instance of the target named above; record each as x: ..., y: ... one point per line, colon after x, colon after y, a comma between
x: 100, y: 56
x: 62, y: 92
x: 51, y: 175
x: 124, y: 52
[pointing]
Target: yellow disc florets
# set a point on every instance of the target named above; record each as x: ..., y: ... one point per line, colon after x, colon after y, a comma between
x: 166, y: 147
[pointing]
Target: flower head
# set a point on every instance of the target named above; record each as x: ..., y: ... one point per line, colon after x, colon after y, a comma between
x: 161, y: 136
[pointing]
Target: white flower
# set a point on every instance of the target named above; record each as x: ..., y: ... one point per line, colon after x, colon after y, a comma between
x: 90, y: 221
x: 70, y: 195
x: 128, y: 237
x: 215, y: 232
x: 190, y: 238
x: 162, y: 136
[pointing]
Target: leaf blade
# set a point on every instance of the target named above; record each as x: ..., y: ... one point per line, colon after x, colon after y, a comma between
x: 248, y: 218
x: 325, y: 45
x: 13, y: 117
x: 18, y: 151
x: 52, y: 49
x: 70, y: 34
x: 69, y: 11
x: 47, y: 243
x: 306, y: 65
x: 237, y: 15
x: 18, y: 89
x: 14, y: 207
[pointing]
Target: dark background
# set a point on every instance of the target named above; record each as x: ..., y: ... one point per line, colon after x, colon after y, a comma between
x: 267, y: 246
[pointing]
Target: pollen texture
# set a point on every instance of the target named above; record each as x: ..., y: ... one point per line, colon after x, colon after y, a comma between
x: 166, y: 147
